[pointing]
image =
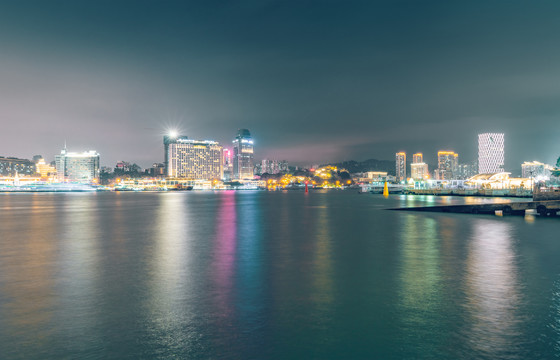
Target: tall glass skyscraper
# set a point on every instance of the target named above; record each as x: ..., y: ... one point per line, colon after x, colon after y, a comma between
x: 243, y: 155
x: 490, y: 153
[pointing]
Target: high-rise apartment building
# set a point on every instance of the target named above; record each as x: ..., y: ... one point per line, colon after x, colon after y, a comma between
x: 419, y: 169
x: 243, y: 155
x: 466, y: 171
x: 448, y: 165
x: 193, y: 159
x: 81, y: 167
x: 490, y: 153
x: 273, y: 166
x: 400, y: 166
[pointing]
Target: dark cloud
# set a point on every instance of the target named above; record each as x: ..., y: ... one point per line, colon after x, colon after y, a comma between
x: 314, y: 81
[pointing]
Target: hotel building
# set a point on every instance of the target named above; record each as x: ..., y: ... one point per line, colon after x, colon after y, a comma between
x: 80, y: 167
x: 193, y: 159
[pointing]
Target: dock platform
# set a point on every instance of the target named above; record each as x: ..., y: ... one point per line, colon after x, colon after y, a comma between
x: 543, y: 208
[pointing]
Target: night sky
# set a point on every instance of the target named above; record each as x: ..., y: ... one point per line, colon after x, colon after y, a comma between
x: 314, y: 81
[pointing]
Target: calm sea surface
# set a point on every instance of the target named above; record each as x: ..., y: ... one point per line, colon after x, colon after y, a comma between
x: 281, y: 275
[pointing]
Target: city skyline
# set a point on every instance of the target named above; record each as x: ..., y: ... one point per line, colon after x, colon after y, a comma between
x: 315, y: 83
x: 279, y: 179
x: 417, y: 158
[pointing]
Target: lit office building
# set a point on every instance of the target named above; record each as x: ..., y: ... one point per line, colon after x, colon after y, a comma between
x: 81, y: 167
x: 448, y: 164
x: 193, y: 159
x: 536, y: 170
x: 157, y: 170
x: 419, y: 169
x: 228, y: 165
x: 243, y: 155
x: 9, y: 166
x: 400, y: 166
x: 45, y: 170
x: 490, y: 153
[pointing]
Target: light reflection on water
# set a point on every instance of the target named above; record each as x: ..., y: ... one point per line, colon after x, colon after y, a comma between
x: 322, y: 280
x: 170, y: 257
x: 493, y: 292
x: 27, y: 272
x: 432, y: 200
x: 79, y: 273
x: 233, y: 275
x: 420, y: 277
x: 554, y: 321
x: 172, y: 279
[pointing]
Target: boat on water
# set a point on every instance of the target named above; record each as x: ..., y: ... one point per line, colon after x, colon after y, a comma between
x: 378, y: 189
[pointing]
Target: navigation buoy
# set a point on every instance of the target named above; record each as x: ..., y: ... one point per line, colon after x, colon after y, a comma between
x: 385, y: 189
x: 306, y: 190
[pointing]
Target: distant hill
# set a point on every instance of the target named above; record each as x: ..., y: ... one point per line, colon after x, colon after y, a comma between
x: 367, y: 165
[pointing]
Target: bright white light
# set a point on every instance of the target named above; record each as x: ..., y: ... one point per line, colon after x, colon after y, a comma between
x: 173, y: 134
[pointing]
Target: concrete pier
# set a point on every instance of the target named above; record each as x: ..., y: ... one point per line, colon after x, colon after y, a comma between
x: 473, y: 192
x: 543, y: 208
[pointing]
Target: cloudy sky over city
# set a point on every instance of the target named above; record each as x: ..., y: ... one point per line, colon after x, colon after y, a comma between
x: 314, y: 81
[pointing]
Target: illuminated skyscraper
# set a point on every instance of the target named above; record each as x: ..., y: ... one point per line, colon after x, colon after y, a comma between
x: 419, y: 169
x: 243, y: 155
x: 82, y: 167
x: 490, y: 153
x: 228, y: 165
x: 400, y: 166
x: 193, y: 159
x: 448, y: 165
x: 167, y: 140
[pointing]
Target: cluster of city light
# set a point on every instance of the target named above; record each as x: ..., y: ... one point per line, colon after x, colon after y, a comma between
x: 326, y: 172
x: 323, y: 177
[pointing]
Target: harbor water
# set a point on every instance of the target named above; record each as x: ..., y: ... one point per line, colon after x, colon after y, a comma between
x: 273, y: 275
